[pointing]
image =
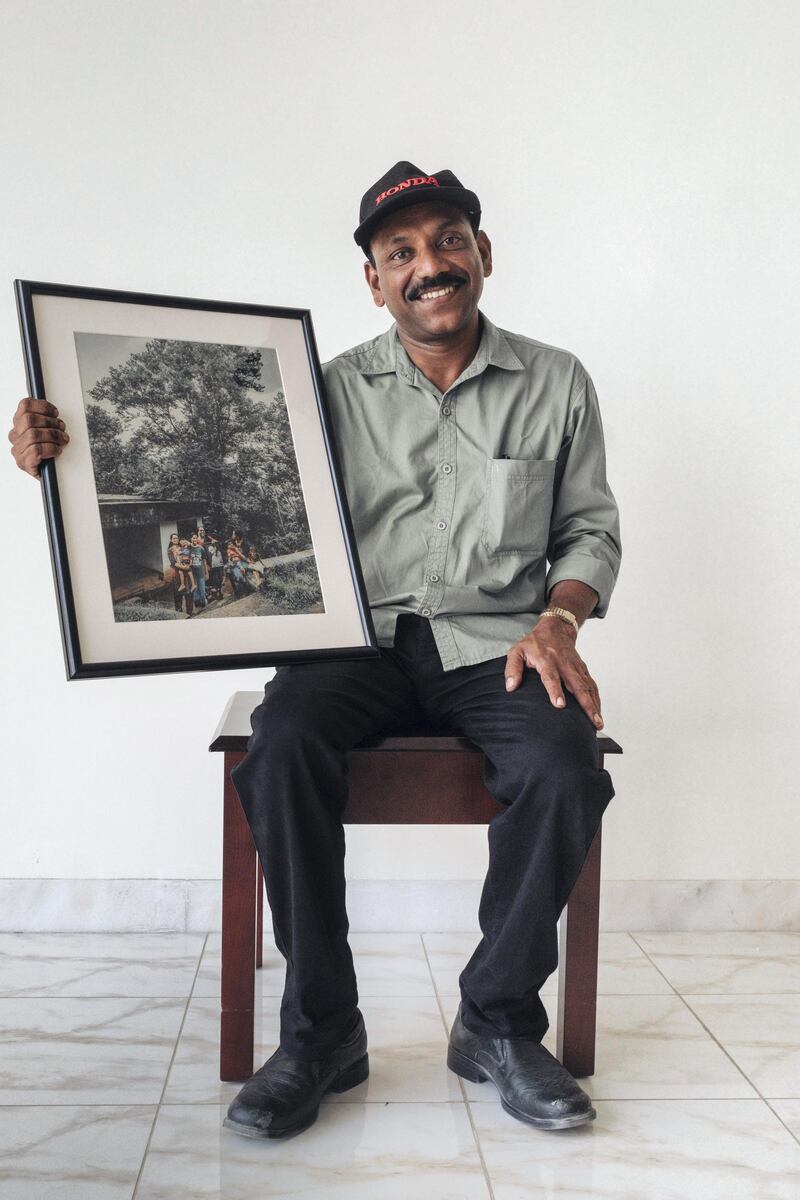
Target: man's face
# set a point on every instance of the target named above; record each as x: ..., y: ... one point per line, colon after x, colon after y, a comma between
x: 429, y: 270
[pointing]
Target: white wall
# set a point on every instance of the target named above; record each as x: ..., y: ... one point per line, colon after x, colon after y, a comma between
x: 637, y: 164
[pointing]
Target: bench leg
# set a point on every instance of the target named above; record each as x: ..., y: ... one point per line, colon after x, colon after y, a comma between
x: 238, y: 935
x: 577, y: 984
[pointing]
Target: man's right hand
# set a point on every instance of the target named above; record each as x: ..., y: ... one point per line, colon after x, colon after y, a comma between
x: 37, y: 433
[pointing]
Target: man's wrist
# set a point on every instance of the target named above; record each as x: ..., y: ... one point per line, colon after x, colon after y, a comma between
x: 574, y: 596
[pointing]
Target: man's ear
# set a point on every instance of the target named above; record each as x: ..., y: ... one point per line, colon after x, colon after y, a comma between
x: 371, y: 276
x: 485, y: 251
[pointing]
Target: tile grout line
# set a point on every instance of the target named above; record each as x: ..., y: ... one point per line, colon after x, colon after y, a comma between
x: 716, y: 1040
x: 744, y: 1074
x: 169, y: 1068
x: 465, y: 1101
x: 791, y: 1132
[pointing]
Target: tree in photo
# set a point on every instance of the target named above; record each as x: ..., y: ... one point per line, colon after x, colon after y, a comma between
x: 108, y: 450
x: 190, y: 422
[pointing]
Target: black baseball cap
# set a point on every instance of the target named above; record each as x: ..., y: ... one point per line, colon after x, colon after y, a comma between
x: 406, y: 184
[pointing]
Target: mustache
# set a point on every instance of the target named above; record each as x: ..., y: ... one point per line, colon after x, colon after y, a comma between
x: 443, y: 279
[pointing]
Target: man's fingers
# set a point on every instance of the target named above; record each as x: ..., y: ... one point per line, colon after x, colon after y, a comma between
x: 594, y: 701
x: 38, y: 421
x: 49, y: 434
x: 42, y: 450
x: 552, y: 682
x: 32, y: 465
x: 550, y: 675
x: 29, y: 405
x: 36, y: 433
x: 51, y: 452
x: 584, y: 681
x: 33, y: 421
x: 515, y: 665
x: 584, y: 689
x: 29, y: 456
x: 39, y: 436
x: 578, y: 680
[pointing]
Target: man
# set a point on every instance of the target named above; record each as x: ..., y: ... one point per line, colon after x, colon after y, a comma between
x: 470, y: 457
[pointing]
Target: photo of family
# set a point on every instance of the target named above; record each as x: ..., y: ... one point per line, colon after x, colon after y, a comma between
x: 201, y: 506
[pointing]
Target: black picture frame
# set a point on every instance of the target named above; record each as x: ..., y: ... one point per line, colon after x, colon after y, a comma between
x: 48, y: 312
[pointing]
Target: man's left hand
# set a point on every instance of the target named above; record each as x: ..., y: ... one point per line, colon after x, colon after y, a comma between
x: 550, y: 650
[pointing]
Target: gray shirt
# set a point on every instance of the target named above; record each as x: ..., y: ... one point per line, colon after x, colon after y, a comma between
x: 460, y: 500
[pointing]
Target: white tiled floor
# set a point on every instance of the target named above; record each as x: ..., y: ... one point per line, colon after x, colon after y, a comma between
x: 109, y: 1085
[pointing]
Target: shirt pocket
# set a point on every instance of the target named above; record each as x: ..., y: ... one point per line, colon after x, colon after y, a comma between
x: 518, y: 505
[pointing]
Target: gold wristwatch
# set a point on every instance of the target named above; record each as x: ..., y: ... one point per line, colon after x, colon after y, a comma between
x: 563, y: 614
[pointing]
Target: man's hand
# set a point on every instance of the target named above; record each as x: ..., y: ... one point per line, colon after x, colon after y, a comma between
x: 37, y: 433
x: 550, y: 649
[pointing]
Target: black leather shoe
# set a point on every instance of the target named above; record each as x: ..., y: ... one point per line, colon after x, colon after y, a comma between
x: 283, y: 1096
x: 533, y: 1085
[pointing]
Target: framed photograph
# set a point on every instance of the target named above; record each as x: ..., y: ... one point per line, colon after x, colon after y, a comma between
x: 197, y: 518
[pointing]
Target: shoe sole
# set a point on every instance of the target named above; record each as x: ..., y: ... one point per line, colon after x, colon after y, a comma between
x: 467, y: 1069
x: 347, y: 1078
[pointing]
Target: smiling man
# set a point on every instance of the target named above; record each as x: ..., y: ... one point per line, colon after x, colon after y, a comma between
x: 472, y: 459
x: 470, y: 456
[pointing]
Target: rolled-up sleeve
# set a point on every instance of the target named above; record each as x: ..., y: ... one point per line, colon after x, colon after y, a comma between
x: 584, y: 540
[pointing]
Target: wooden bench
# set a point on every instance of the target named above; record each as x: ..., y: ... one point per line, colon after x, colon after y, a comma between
x: 424, y: 778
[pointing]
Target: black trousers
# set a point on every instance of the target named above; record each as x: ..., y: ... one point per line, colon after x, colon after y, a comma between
x: 541, y: 763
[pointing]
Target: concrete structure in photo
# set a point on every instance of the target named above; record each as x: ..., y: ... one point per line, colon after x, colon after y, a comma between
x: 136, y: 532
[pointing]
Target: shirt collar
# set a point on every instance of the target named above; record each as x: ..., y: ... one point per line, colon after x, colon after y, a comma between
x: 388, y: 355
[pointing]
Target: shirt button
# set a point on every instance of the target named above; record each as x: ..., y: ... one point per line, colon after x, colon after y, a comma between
x: 445, y: 412
x: 433, y: 578
x: 446, y: 469
x: 426, y: 612
x: 441, y: 524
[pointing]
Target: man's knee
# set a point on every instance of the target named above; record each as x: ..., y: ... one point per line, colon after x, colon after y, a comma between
x: 559, y: 776
x: 282, y: 727
x: 292, y: 734
x: 285, y: 713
